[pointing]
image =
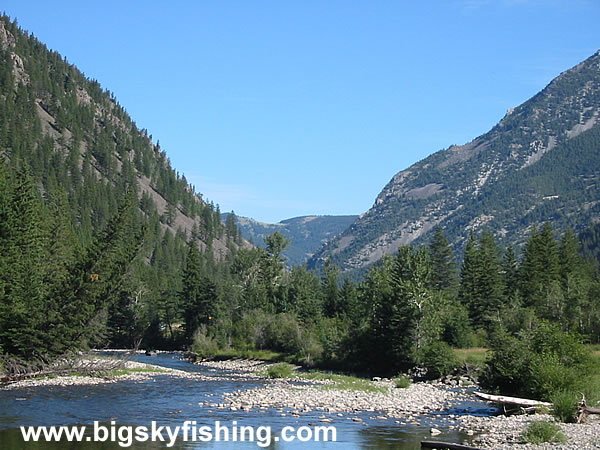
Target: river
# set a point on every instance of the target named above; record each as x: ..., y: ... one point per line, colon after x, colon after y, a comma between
x: 172, y: 400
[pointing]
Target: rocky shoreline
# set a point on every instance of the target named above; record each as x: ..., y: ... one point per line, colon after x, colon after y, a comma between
x: 502, y: 432
x: 298, y: 396
x: 91, y: 374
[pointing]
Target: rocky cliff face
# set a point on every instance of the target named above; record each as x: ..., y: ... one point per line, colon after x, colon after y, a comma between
x: 541, y: 162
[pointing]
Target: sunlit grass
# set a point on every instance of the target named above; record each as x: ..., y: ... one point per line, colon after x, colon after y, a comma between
x: 471, y: 355
x: 539, y: 432
x: 343, y: 382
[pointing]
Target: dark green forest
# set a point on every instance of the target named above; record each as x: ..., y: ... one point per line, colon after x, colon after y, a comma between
x: 94, y: 221
x: 104, y: 245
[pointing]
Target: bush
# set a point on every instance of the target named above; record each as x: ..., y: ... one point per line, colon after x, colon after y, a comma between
x: 439, y: 359
x: 310, y: 349
x: 549, y: 376
x: 332, y: 333
x: 564, y: 406
x: 539, y: 431
x: 402, y: 382
x: 203, y: 345
x: 283, y: 333
x: 281, y: 370
x: 537, y: 364
x: 507, y: 365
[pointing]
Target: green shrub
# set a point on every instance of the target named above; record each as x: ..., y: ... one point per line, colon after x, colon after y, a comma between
x: 439, y: 359
x: 402, y: 382
x: 507, y: 365
x: 283, y: 333
x: 204, y: 345
x: 564, y: 406
x: 549, y: 376
x: 311, y: 349
x: 537, y: 364
x: 332, y: 334
x: 281, y: 370
x: 539, y: 432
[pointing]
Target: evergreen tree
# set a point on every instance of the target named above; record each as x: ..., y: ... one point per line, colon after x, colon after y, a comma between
x: 331, y: 291
x: 510, y: 272
x: 22, y: 254
x: 469, y: 274
x: 272, y: 266
x: 540, y: 269
x: 198, y: 295
x: 490, y: 288
x: 353, y: 309
x: 406, y: 319
x: 442, y: 260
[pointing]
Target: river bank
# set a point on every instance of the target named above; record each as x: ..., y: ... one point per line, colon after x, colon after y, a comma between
x: 429, y: 406
x: 296, y: 396
x: 505, y: 432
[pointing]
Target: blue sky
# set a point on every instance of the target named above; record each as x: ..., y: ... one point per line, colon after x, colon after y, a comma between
x: 278, y: 109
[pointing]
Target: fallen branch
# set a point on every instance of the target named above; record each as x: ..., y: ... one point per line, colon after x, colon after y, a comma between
x: 585, y: 410
x: 524, y: 402
x: 68, y: 364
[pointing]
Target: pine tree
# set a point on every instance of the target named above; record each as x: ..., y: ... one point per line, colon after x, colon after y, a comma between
x: 468, y: 274
x: 331, y: 291
x: 540, y: 269
x: 22, y: 254
x: 198, y: 295
x: 510, y: 272
x: 405, y: 318
x: 489, y: 280
x: 442, y: 260
x: 570, y: 258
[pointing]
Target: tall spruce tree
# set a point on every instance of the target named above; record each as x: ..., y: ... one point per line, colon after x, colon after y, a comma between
x: 198, y: 294
x: 443, y: 273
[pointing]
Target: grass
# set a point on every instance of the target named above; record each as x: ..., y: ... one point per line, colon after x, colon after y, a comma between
x: 119, y: 372
x: 402, y: 382
x: 338, y: 381
x: 564, y: 406
x: 281, y: 370
x: 475, y: 355
x: 539, y: 432
x: 343, y: 382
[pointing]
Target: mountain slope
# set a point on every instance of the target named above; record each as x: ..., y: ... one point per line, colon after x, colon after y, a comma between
x: 541, y: 162
x: 307, y: 234
x: 76, y: 138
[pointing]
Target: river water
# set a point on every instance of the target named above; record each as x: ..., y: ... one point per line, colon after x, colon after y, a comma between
x: 172, y: 400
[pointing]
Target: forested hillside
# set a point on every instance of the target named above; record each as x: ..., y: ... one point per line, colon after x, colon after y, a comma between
x: 74, y: 258
x: 540, y: 163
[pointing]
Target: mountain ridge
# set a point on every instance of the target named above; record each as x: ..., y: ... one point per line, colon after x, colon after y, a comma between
x: 457, y: 188
x: 306, y: 233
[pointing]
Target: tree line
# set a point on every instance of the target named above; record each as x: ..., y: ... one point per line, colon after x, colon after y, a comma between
x: 414, y: 304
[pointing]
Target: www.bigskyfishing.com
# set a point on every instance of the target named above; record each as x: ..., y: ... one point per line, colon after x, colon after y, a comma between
x: 189, y: 431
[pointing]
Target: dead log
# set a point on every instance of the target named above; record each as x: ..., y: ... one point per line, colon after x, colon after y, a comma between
x: 524, y: 402
x: 446, y: 445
